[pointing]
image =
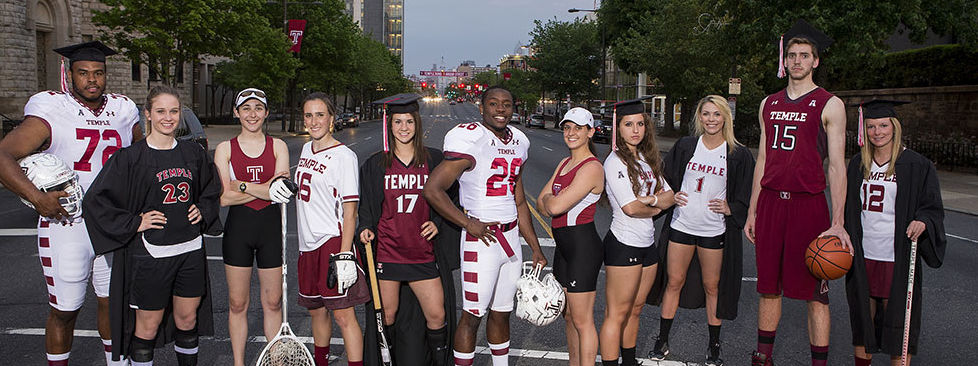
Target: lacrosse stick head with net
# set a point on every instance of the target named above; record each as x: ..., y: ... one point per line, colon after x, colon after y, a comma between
x: 539, y: 301
x: 285, y: 349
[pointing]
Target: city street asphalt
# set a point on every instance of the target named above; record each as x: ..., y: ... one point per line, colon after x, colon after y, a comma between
x: 948, y: 333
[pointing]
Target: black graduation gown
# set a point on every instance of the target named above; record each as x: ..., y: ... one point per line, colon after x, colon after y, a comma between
x: 111, y: 209
x: 918, y: 198
x: 411, y: 346
x: 740, y: 170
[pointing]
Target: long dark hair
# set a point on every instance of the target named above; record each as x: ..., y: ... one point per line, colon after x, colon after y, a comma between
x: 420, y: 152
x: 647, y: 149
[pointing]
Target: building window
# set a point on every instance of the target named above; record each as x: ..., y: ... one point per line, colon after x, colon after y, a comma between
x: 137, y: 71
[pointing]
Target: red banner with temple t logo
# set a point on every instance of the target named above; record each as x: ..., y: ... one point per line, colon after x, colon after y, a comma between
x: 296, y: 29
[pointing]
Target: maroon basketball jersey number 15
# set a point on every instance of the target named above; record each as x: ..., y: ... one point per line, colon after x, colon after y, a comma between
x: 795, y: 142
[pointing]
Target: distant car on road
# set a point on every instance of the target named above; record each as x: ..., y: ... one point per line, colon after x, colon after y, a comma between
x: 189, y: 128
x: 451, y: 102
x: 602, y: 131
x: 536, y: 120
x: 517, y: 119
x: 349, y: 120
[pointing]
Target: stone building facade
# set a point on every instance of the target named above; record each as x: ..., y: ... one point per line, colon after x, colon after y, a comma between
x: 31, y: 29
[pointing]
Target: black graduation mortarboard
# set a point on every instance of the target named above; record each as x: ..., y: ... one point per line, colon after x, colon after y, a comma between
x: 876, y: 108
x: 88, y: 51
x: 400, y: 103
x: 625, y: 108
x: 801, y: 29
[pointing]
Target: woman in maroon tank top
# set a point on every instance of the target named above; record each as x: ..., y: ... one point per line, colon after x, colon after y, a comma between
x: 249, y: 166
x: 570, y: 197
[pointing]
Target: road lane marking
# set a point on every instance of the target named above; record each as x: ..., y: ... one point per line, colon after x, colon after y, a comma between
x: 973, y: 241
x: 18, y: 232
x: 481, y: 350
x: 533, y: 210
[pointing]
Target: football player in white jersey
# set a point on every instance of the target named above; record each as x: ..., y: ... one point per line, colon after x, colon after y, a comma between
x: 83, y: 126
x: 485, y: 157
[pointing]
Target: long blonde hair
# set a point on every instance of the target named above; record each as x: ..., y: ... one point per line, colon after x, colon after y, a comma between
x: 728, y: 130
x: 868, y: 149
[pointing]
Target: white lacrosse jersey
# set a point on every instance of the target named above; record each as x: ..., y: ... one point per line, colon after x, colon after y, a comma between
x: 878, y: 197
x: 705, y: 179
x: 326, y: 179
x: 487, y: 190
x: 631, y: 231
x: 82, y: 137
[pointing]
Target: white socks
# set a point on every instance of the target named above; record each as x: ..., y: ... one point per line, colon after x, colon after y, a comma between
x: 500, y: 354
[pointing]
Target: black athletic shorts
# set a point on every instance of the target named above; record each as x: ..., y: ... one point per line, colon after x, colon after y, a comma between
x: 156, y: 280
x: 618, y: 254
x: 251, y: 236
x: 407, y: 272
x: 578, y: 257
x: 706, y: 242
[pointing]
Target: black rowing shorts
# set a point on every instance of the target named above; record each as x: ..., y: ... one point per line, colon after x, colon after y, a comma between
x: 251, y: 236
x: 578, y: 257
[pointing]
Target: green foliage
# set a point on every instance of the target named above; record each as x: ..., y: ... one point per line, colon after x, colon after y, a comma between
x: 263, y: 61
x: 567, y: 57
x: 691, y: 48
x: 162, y: 34
x: 939, y: 65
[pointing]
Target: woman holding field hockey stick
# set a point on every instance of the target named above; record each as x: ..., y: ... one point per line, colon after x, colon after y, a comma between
x: 893, y: 208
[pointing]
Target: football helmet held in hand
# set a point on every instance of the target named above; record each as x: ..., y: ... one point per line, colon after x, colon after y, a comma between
x: 49, y: 174
x: 538, y: 301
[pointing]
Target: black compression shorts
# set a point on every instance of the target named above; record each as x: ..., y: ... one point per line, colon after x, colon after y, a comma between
x: 617, y: 253
x: 706, y: 242
x: 578, y: 257
x: 251, y: 236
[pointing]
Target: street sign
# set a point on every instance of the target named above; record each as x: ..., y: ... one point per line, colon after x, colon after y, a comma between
x: 734, y: 88
x: 454, y: 74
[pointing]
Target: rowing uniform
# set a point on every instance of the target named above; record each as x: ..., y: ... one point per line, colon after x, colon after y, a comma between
x: 579, y: 253
x: 253, y: 231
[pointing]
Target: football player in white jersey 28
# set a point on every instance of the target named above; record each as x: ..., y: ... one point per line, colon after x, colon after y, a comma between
x: 83, y: 127
x: 485, y: 157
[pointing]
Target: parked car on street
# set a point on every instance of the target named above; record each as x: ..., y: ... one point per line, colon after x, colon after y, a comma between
x: 517, y: 119
x: 348, y: 120
x: 536, y: 120
x: 602, y: 131
x: 189, y: 128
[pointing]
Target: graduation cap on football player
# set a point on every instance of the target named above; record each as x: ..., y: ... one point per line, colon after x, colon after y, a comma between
x: 87, y: 51
x: 400, y: 103
x: 801, y: 29
x: 876, y: 108
x: 625, y: 108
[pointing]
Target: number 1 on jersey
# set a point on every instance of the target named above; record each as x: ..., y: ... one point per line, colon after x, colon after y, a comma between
x: 699, y: 184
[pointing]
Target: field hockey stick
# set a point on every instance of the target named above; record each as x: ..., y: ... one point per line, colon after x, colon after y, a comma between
x: 385, y: 349
x: 906, y: 317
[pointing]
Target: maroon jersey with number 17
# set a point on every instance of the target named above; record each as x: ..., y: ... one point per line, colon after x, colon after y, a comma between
x: 796, y: 143
x: 403, y: 212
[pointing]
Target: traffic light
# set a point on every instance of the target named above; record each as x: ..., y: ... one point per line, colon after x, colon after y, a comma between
x: 424, y: 85
x: 461, y: 85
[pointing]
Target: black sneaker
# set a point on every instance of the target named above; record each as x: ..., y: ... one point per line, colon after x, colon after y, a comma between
x: 660, y: 351
x: 713, y: 355
x: 759, y: 359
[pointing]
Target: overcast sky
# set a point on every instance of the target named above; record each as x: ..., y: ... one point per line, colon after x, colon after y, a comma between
x: 478, y: 30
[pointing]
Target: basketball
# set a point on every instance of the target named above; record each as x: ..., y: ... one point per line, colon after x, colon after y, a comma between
x: 827, y: 259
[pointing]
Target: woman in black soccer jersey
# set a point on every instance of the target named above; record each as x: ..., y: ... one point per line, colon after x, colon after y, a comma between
x: 395, y: 216
x: 154, y: 200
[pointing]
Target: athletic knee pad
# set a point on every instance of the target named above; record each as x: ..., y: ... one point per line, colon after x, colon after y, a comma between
x: 142, y: 349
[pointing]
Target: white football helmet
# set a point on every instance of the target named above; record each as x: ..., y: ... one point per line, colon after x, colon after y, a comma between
x: 49, y: 173
x: 538, y: 301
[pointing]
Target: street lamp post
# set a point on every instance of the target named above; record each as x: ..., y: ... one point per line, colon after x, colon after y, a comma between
x: 604, y: 52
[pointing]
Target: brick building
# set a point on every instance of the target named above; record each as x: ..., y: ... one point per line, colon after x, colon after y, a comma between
x: 31, y: 29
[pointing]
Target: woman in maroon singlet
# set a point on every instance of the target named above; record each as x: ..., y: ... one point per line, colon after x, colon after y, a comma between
x: 250, y: 166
